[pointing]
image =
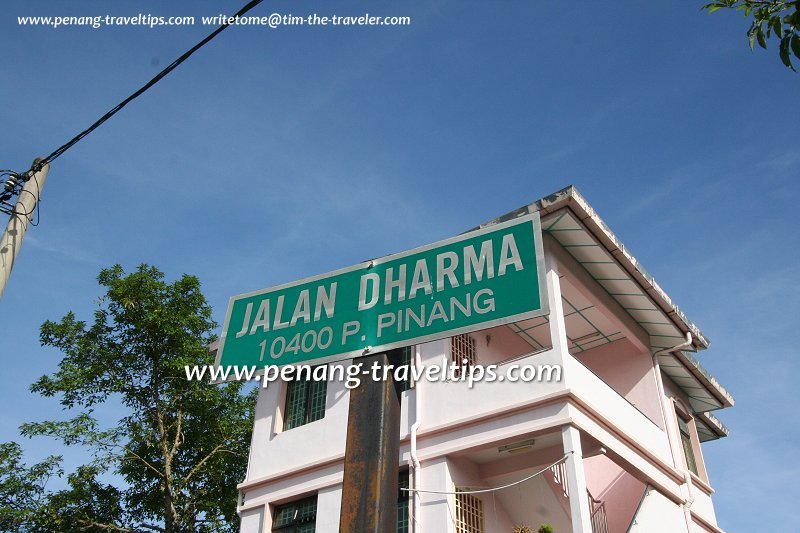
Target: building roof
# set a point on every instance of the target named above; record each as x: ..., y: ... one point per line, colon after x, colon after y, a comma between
x: 573, y: 222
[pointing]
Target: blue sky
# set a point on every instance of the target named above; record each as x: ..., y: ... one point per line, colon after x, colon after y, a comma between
x: 273, y: 155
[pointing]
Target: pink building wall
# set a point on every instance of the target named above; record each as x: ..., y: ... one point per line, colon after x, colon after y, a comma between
x: 499, y: 344
x: 629, y: 372
x: 620, y: 491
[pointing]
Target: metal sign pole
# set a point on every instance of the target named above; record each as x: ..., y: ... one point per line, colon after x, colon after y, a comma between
x: 369, y: 491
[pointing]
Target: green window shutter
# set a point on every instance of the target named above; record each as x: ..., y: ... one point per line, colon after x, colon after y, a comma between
x: 295, y: 412
x: 316, y: 400
x: 296, y: 517
x: 402, y: 503
x: 686, y: 440
x: 305, y: 402
x: 405, y: 360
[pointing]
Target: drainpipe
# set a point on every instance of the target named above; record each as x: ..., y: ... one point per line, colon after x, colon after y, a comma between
x: 686, y: 506
x: 415, y: 469
x: 660, y: 383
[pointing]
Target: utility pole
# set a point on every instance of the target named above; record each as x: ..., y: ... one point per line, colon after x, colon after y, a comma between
x: 369, y: 489
x: 21, y: 217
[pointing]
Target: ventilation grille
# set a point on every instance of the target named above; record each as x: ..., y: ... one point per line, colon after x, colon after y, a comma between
x: 462, y: 348
x: 469, y: 513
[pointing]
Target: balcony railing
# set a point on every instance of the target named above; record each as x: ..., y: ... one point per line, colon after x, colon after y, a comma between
x: 597, y: 515
x: 560, y: 477
x: 597, y: 508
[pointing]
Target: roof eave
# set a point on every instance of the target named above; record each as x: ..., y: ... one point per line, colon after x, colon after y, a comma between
x: 570, y: 198
x: 705, y: 377
x: 713, y: 423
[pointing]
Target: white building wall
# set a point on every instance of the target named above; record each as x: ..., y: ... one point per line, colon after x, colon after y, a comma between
x: 702, y: 505
x: 274, y: 451
x: 329, y: 503
x: 308, y: 459
x: 449, y: 406
x: 543, y: 506
x: 465, y: 474
x: 252, y: 521
x: 450, y: 403
x: 436, y: 510
x: 658, y: 514
x: 626, y: 416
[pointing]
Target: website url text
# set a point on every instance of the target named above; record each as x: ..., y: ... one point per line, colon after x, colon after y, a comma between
x: 273, y: 21
x: 353, y: 374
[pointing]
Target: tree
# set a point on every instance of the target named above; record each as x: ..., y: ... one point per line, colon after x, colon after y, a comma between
x: 182, y: 446
x: 87, y: 506
x: 771, y: 18
x: 22, y: 488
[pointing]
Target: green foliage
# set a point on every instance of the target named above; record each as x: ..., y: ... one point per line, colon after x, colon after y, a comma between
x: 181, y: 446
x: 87, y: 505
x: 545, y: 528
x: 22, y: 488
x: 770, y: 18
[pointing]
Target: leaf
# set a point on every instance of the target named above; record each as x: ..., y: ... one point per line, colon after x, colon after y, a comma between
x: 796, y: 45
x: 762, y: 40
x: 784, y: 53
x: 775, y: 24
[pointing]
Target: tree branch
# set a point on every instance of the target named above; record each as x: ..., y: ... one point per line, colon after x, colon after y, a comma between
x: 108, y: 527
x: 178, y: 428
x: 143, y: 460
x: 217, y: 449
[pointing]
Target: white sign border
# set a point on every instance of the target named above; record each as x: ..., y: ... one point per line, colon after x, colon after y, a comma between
x: 544, y: 307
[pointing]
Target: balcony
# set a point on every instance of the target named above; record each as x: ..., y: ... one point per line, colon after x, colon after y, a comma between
x: 455, y: 405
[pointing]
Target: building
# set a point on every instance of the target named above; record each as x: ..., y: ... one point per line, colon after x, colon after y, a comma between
x: 617, y: 439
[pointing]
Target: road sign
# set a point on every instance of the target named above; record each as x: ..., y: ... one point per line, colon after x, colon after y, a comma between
x: 480, y: 279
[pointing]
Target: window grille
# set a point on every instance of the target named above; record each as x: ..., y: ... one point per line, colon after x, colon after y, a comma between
x: 462, y: 348
x: 296, y: 517
x: 405, y: 360
x: 402, y: 503
x: 305, y: 402
x: 686, y: 440
x: 469, y: 513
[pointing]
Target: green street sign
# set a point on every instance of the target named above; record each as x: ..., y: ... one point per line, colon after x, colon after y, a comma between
x: 481, y: 279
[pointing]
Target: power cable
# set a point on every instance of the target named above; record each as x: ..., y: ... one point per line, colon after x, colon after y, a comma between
x: 172, y: 66
x: 492, y: 489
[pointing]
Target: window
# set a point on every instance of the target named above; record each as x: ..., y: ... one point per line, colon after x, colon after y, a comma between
x: 305, y: 402
x: 686, y: 441
x: 462, y: 348
x: 404, y: 359
x: 296, y: 517
x: 402, y: 503
x: 469, y: 513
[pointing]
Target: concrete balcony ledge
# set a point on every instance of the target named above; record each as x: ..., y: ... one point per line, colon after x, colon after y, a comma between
x: 452, y: 407
x: 453, y: 404
x: 611, y: 405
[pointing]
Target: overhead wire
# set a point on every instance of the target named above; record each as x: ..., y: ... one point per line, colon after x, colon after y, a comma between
x: 9, y: 209
x: 172, y: 66
x: 37, y: 199
x: 11, y: 187
x: 6, y: 207
x: 492, y: 489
